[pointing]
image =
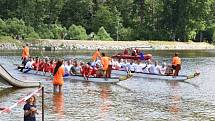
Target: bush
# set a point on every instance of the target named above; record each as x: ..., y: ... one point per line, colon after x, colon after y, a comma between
x: 15, y: 27
x: 58, y: 31
x: 2, y: 28
x: 103, y: 35
x: 125, y: 34
x: 32, y: 36
x: 77, y: 33
x: 44, y: 32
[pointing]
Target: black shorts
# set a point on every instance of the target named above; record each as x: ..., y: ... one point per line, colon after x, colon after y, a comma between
x: 177, y: 67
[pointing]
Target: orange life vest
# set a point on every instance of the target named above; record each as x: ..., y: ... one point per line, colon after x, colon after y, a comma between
x: 25, y: 52
x: 105, y: 62
x: 176, y: 60
x: 95, y: 55
x: 58, y: 77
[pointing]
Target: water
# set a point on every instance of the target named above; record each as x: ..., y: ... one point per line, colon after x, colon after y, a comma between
x: 131, y: 100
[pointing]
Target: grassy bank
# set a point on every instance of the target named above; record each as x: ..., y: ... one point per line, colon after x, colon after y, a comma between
x: 7, y: 39
x: 119, y: 45
x: 106, y: 45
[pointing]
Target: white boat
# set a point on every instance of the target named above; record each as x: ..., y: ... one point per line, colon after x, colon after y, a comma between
x: 156, y: 76
x: 95, y: 79
x: 113, y: 79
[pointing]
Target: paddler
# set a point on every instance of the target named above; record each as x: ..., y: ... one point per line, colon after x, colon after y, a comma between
x: 176, y: 64
x: 96, y: 55
x: 25, y: 52
x: 106, y: 65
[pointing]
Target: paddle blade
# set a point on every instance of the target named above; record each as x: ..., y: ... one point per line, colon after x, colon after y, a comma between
x: 122, y: 78
x: 194, y: 75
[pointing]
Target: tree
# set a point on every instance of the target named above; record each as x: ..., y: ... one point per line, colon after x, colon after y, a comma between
x: 78, y: 12
x: 109, y: 19
x: 15, y: 27
x: 103, y: 35
x: 77, y: 33
x: 2, y: 27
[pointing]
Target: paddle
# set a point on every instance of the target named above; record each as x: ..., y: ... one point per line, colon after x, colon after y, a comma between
x: 194, y: 75
x: 122, y: 78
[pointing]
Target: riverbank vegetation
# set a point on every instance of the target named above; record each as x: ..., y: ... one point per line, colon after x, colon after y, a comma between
x: 172, y: 20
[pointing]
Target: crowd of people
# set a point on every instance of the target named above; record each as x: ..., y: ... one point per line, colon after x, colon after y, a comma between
x: 100, y: 66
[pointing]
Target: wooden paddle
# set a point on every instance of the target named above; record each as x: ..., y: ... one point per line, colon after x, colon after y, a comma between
x: 122, y: 78
x: 194, y: 75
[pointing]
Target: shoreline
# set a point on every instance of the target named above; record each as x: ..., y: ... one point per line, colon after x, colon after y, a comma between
x: 108, y: 45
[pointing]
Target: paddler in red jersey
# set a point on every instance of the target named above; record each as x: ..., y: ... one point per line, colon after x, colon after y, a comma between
x: 86, y: 71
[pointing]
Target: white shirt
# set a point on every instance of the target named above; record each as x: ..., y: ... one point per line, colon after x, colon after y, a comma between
x: 139, y: 68
x: 153, y: 70
x: 131, y: 67
x: 29, y: 64
x: 146, y: 69
x: 67, y: 68
x: 162, y: 70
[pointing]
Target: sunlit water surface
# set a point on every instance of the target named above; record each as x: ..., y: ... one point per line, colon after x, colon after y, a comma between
x: 132, y: 100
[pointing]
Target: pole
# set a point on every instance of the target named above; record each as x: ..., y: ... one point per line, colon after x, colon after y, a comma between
x: 42, y: 103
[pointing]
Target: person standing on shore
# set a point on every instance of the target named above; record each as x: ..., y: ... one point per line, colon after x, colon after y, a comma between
x: 176, y: 64
x: 25, y: 52
x: 58, y: 76
x: 96, y: 55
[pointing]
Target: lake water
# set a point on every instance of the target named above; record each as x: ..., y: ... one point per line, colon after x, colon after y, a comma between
x: 132, y: 100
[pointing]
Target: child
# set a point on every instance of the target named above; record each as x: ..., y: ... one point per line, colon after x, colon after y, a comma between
x: 30, y: 109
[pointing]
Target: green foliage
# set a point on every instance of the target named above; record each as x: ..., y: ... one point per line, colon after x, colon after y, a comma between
x: 15, y: 27
x: 9, y: 39
x: 58, y: 31
x: 103, y: 35
x: 2, y: 28
x: 32, y: 36
x: 78, y: 12
x: 124, y: 19
x: 126, y: 34
x: 44, y: 32
x: 77, y: 33
x: 107, y: 18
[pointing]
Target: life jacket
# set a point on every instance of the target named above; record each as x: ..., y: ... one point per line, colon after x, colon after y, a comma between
x: 25, y: 52
x: 176, y: 60
x: 105, y: 62
x: 95, y: 55
x: 58, y: 77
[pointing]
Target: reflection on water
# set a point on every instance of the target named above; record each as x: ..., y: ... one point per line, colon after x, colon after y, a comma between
x: 105, y: 105
x: 58, y: 103
x: 174, y: 100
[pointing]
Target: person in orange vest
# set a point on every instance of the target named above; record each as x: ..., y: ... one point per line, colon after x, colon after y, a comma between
x: 106, y: 65
x: 96, y: 55
x: 58, y: 76
x: 25, y: 52
x: 176, y: 64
